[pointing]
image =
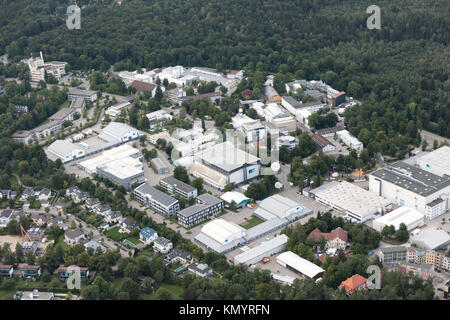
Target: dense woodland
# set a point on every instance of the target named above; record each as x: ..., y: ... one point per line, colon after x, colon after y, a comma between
x: 400, y: 73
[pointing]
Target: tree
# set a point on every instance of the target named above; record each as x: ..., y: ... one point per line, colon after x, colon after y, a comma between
x: 198, y: 184
x: 19, y: 253
x: 435, y: 144
x: 181, y: 174
x: 402, y: 234
x: 163, y: 294
x: 158, y: 94
x: 73, y: 225
x: 388, y: 231
x: 229, y: 187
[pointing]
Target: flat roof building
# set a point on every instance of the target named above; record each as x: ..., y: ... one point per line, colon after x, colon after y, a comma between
x: 120, y: 132
x: 157, y: 200
x: 431, y: 239
x: 436, y: 162
x: 159, y: 166
x: 355, y: 202
x: 408, y: 185
x: 265, y: 249
x: 207, y: 206
x: 293, y: 262
x: 350, y: 140
x: 175, y: 186
x: 239, y: 198
x: 87, y: 95
x: 124, y: 172
x: 65, y: 151
x: 409, y: 216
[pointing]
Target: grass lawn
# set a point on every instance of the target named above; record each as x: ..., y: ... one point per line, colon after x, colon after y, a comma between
x: 177, y: 291
x: 65, y: 246
x: 253, y: 221
x: 14, y: 183
x: 134, y: 240
x: 4, y: 204
x: 7, y: 294
x: 115, y: 234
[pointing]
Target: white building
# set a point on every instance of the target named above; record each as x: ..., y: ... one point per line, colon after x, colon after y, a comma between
x: 120, y: 131
x: 87, y: 95
x: 265, y: 249
x: 239, y: 198
x: 409, y: 216
x: 162, y: 245
x: 222, y: 231
x: 431, y: 239
x: 157, y: 118
x: 224, y: 163
x: 65, y: 150
x: 116, y: 109
x: 350, y: 140
x: 293, y: 262
x: 436, y: 162
x: 355, y: 202
x: 408, y: 185
x: 38, y: 68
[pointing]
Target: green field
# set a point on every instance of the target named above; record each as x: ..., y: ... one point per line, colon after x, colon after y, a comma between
x: 253, y: 221
x: 177, y: 291
x: 14, y: 183
x: 115, y: 234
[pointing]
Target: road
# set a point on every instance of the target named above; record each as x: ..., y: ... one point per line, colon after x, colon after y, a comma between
x: 430, y: 137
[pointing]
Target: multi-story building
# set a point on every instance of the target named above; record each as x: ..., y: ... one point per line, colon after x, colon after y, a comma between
x: 175, y: 186
x: 207, y: 206
x: 350, y: 140
x: 87, y: 95
x: 162, y: 245
x: 393, y: 254
x: 157, y: 200
x: 408, y: 185
x: 66, y: 272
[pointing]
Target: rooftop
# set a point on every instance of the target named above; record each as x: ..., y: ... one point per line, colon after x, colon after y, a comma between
x: 156, y: 195
x: 412, y: 178
x: 179, y: 184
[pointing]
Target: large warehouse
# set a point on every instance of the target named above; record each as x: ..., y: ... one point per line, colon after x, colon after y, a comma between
x: 120, y: 132
x: 124, y: 172
x: 431, y: 239
x: 409, y: 216
x: 278, y: 212
x: 224, y: 163
x: 293, y: 262
x: 65, y: 150
x: 265, y: 249
x: 436, y: 162
x: 408, y: 185
x: 355, y: 202
x: 239, y: 199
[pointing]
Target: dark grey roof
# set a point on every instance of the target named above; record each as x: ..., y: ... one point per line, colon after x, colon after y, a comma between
x: 129, y: 223
x: 179, y: 184
x: 157, y: 195
x: 393, y: 249
x: 72, y: 234
x: 292, y: 101
x: 178, y: 253
x: 192, y: 210
x: 6, y: 214
x: 412, y: 178
x: 162, y: 241
x: 208, y: 199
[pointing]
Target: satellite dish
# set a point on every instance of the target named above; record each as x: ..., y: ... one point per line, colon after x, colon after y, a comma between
x: 278, y: 185
x: 240, y: 110
x: 275, y: 166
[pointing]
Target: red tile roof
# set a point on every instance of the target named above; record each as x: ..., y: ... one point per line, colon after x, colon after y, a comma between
x: 353, y: 283
x: 340, y: 233
x: 142, y: 86
x: 30, y: 267
x: 5, y: 266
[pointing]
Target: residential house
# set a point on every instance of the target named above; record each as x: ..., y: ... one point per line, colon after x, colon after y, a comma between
x: 32, y: 246
x: 354, y: 283
x: 102, y: 209
x: 162, y: 245
x: 73, y: 236
x: 44, y: 194
x: 6, y: 271
x: 36, y: 234
x: 178, y: 255
x: 30, y: 271
x: 8, y: 194
x: 113, y: 217
x: 92, y: 203
x: 201, y: 270
x: 66, y: 272
x: 40, y: 218
x: 337, y: 238
x: 128, y: 225
x: 95, y: 245
x: 28, y: 192
x: 148, y: 235
x: 5, y: 217
x: 59, y: 222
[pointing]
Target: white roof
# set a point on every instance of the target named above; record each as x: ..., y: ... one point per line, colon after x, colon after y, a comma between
x: 302, y: 265
x: 222, y: 231
x: 261, y: 249
x: 226, y: 156
x: 347, y: 135
x: 437, y: 159
x: 277, y: 206
x: 118, y: 129
x: 351, y: 198
x: 432, y: 238
x: 120, y: 152
x: 63, y: 147
x: 208, y: 175
x: 234, y: 195
x: 124, y: 168
x: 405, y: 215
x: 282, y: 278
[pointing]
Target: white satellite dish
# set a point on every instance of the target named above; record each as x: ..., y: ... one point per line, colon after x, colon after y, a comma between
x: 275, y: 166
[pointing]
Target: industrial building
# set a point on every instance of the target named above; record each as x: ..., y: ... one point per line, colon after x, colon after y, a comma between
x: 159, y: 166
x: 207, y: 206
x: 224, y: 163
x: 409, y: 216
x: 357, y: 203
x: 87, y: 95
x: 277, y: 211
x: 123, y: 153
x: 239, y: 198
x: 265, y: 249
x: 408, y: 185
x: 124, y: 172
x: 175, y: 186
x: 350, y: 140
x: 293, y: 262
x: 157, y: 200
x: 437, y: 162
x: 431, y: 239
x: 116, y: 109
x: 119, y: 131
x: 65, y: 150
